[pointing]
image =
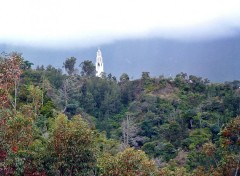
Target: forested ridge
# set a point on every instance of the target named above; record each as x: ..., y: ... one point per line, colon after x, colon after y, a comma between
x: 70, y: 122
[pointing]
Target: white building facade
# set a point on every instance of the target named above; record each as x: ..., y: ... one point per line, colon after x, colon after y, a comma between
x: 99, y: 64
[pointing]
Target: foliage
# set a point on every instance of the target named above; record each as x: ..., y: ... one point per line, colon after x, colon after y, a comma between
x: 10, y: 71
x: 78, y: 124
x: 47, y: 109
x: 69, y: 65
x: 20, y: 147
x: 230, y: 135
x: 124, y: 77
x: 88, y: 68
x: 72, y: 146
x: 176, y: 171
x: 129, y: 162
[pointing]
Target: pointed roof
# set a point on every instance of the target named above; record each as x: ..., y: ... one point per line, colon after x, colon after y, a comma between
x: 99, y: 53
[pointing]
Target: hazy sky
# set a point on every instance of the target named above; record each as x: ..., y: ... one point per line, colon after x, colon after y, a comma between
x: 73, y: 23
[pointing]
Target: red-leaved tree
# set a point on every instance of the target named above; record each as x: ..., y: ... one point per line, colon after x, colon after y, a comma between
x: 10, y: 72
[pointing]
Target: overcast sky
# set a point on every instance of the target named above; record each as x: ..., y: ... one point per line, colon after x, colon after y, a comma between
x: 73, y: 23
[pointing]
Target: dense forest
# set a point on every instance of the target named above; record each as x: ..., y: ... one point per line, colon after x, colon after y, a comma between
x: 70, y: 122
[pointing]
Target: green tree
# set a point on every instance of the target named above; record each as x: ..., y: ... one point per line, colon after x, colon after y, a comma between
x: 69, y: 65
x: 124, y: 77
x: 72, y: 146
x: 18, y: 144
x: 129, y: 162
x: 88, y: 68
x: 145, y: 76
x: 54, y: 76
x: 230, y: 140
x: 35, y: 94
x: 26, y: 64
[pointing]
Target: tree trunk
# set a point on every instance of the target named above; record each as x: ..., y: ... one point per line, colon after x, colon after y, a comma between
x: 65, y: 96
x: 15, y: 98
x: 236, y: 173
x: 127, y: 125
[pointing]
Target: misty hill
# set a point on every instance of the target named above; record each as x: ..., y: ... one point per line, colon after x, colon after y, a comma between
x: 216, y: 59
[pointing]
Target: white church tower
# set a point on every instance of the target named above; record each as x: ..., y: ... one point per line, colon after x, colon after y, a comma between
x: 99, y: 63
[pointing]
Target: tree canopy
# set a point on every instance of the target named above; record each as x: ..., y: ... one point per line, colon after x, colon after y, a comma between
x: 53, y: 123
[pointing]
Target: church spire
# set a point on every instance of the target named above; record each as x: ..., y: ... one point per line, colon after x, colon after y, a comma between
x: 99, y: 63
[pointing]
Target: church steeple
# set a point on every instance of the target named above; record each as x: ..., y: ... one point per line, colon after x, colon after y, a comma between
x: 99, y: 63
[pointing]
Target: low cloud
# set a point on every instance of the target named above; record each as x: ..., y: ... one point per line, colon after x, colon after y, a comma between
x: 74, y: 23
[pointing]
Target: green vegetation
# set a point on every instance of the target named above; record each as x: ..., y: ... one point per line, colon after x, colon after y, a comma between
x: 53, y: 123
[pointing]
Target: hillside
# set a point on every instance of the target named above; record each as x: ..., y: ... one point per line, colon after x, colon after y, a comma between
x: 78, y: 124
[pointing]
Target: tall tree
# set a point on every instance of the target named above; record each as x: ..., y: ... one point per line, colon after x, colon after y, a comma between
x: 124, y: 77
x: 10, y: 72
x: 129, y: 131
x: 72, y: 146
x: 26, y: 64
x: 69, y: 65
x: 145, y: 76
x: 88, y: 68
x: 70, y: 88
x: 36, y: 96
